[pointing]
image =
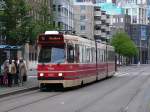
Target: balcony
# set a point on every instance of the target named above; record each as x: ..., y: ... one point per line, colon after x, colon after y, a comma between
x: 97, y: 22
x: 97, y: 32
x: 107, y: 29
x: 103, y: 17
x: 103, y: 27
x: 103, y: 34
x: 108, y: 21
x: 97, y: 13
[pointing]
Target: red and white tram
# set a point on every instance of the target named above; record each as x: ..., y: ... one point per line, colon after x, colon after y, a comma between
x: 71, y: 60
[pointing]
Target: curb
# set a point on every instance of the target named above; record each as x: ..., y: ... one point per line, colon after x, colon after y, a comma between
x: 18, y: 91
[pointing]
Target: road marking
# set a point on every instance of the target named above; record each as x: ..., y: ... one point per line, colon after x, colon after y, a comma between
x: 121, y: 74
x: 62, y: 103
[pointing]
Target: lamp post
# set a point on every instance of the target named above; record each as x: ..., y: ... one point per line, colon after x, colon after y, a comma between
x: 140, y: 52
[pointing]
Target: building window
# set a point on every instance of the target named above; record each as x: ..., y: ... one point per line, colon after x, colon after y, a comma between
x: 97, y: 18
x: 114, y: 20
x: 82, y: 27
x: 82, y: 17
x: 59, y: 8
x: 127, y: 12
x: 134, y: 20
x: 82, y: 7
x: 97, y: 9
x: 59, y: 24
x: 103, y: 22
x: 79, y: 0
x: 54, y: 24
x: 97, y: 27
x: 121, y: 20
x: 134, y: 11
x: 54, y: 7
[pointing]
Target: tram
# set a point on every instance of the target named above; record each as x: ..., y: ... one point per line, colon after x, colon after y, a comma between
x: 69, y: 60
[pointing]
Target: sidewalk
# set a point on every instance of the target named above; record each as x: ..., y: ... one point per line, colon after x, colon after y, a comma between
x: 31, y: 84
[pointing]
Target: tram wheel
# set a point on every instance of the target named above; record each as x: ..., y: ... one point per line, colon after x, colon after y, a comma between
x: 82, y: 83
x: 96, y: 78
x: 42, y: 87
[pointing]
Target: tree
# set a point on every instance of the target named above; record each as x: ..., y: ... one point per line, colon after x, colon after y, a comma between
x: 43, y: 23
x: 124, y: 45
x: 22, y: 26
x: 16, y: 22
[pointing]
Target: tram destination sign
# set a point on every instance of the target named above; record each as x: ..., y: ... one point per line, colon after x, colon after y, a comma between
x: 51, y: 39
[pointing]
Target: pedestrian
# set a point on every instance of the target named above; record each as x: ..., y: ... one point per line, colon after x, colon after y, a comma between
x: 11, y: 72
x: 1, y: 76
x: 17, y: 71
x: 22, y: 71
x: 5, y: 71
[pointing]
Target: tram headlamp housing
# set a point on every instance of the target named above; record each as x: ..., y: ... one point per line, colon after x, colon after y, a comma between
x: 60, y: 74
x: 41, y: 74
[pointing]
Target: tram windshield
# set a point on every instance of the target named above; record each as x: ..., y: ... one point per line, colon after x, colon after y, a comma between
x: 52, y: 55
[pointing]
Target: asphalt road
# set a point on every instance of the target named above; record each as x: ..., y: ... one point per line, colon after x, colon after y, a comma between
x: 127, y: 91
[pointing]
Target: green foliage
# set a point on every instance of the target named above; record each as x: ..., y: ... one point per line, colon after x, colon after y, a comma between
x: 41, y: 24
x: 22, y: 27
x: 124, y: 45
x: 16, y: 22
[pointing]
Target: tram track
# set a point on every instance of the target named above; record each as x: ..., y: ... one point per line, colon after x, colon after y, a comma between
x: 125, y: 108
x: 57, y: 94
x: 29, y: 93
x: 11, y: 97
x: 36, y: 101
x: 111, y: 91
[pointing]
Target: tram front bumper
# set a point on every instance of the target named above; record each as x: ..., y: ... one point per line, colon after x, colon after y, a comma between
x: 65, y: 83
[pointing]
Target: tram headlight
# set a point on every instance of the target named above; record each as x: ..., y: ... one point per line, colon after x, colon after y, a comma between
x: 60, y: 74
x: 41, y: 74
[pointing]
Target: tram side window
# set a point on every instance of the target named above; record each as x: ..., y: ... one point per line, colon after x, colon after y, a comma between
x: 103, y: 57
x: 90, y: 50
x: 81, y: 53
x: 87, y: 54
x: 98, y: 55
x: 92, y: 55
x: 77, y: 53
x: 70, y: 53
x: 84, y: 54
x: 111, y: 56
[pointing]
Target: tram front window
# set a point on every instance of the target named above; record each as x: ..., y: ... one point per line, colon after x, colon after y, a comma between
x: 52, y: 55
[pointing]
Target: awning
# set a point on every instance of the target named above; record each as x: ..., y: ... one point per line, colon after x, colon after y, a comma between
x: 10, y: 47
x: 3, y: 46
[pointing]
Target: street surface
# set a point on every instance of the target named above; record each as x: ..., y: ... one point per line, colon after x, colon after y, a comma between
x: 127, y: 91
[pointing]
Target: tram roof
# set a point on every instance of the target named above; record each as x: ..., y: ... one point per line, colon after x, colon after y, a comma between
x: 83, y: 41
x: 77, y: 39
x: 73, y: 39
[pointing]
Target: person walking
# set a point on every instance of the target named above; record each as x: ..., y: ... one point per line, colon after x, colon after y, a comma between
x: 22, y: 70
x: 11, y: 72
x: 17, y: 71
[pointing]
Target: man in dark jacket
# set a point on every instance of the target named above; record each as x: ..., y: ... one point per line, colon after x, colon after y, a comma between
x: 17, y: 71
